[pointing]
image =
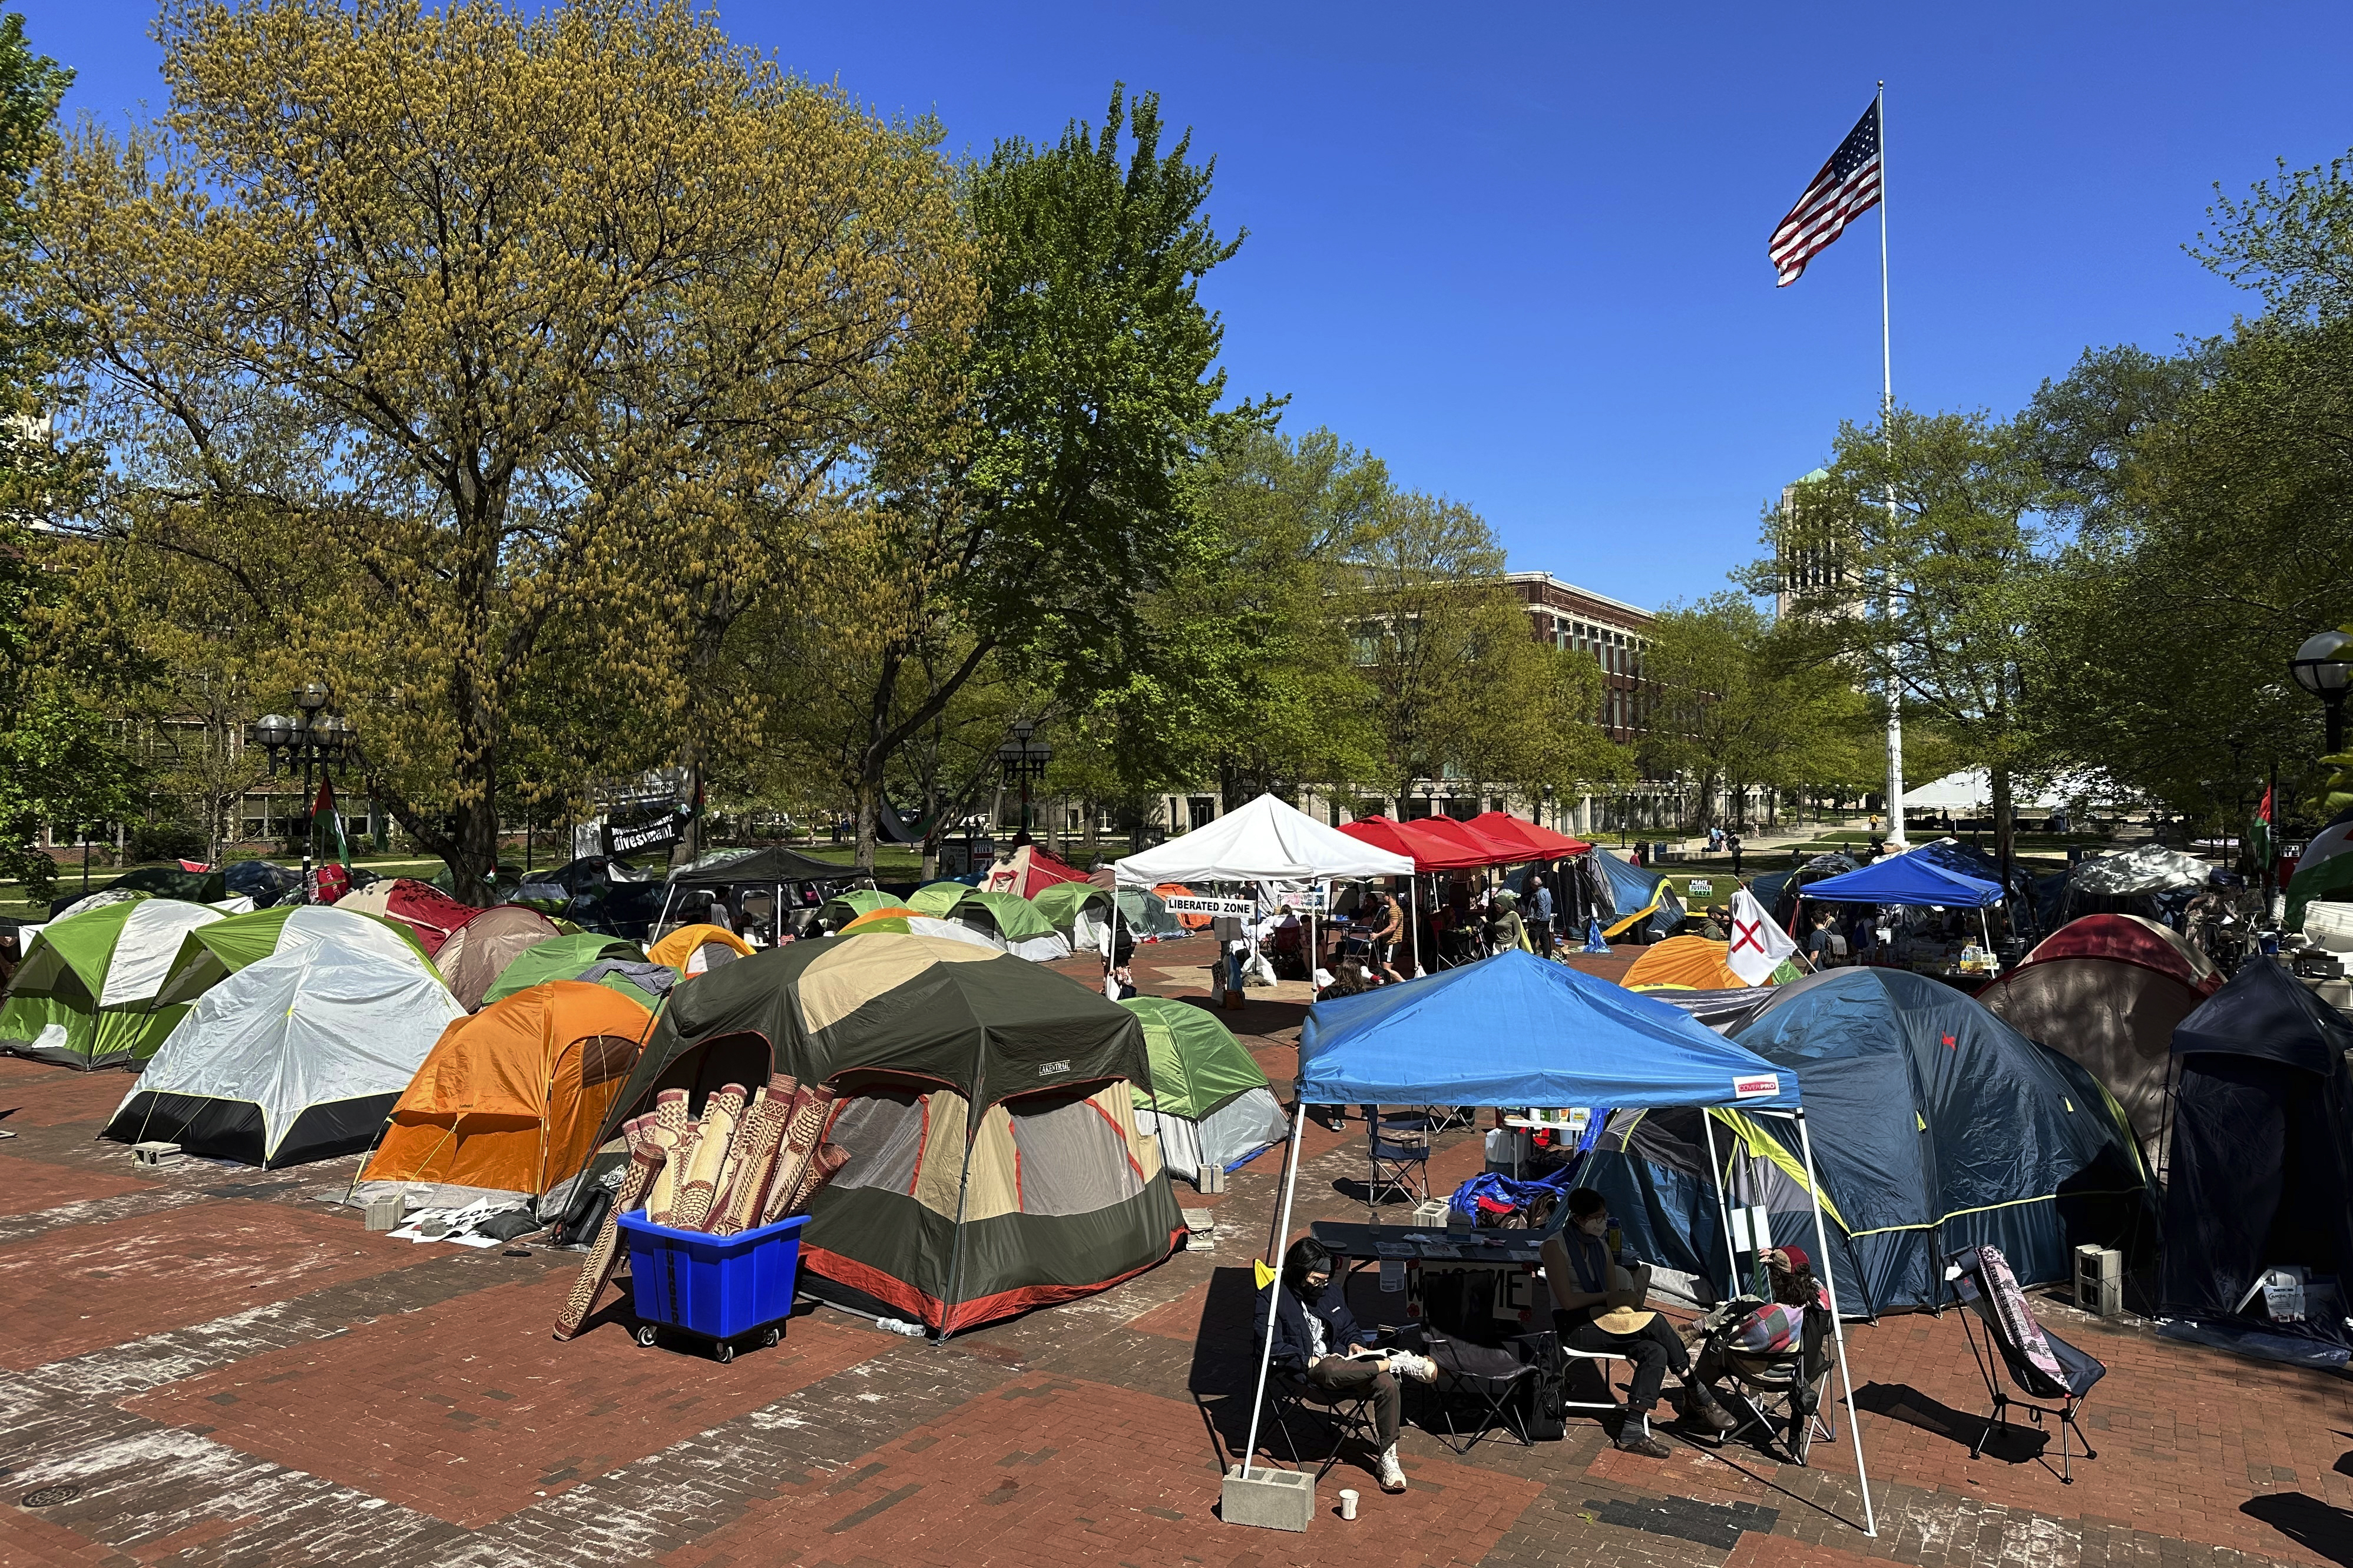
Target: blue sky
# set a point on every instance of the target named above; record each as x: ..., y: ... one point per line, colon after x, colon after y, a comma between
x: 1519, y: 251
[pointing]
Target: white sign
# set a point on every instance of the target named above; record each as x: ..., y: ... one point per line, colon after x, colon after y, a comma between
x: 1700, y: 886
x: 1190, y: 904
x: 1758, y: 1086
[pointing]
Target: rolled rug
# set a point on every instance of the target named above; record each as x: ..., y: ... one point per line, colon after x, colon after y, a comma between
x: 822, y: 1167
x: 812, y: 1111
x: 701, y: 1183
x: 647, y: 1157
x: 753, y: 1156
x: 669, y: 1114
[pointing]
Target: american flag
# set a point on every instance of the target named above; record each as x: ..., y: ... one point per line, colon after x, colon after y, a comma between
x: 1847, y: 187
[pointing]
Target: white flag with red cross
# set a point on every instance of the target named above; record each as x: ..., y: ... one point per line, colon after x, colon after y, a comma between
x: 1757, y: 945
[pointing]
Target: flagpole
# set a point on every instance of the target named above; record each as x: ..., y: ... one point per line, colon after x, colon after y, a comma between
x: 1887, y: 418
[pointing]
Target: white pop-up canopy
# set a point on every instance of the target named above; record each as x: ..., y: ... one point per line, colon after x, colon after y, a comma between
x: 1265, y: 841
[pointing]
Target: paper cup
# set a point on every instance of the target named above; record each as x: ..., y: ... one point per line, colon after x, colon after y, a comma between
x: 1347, y: 1502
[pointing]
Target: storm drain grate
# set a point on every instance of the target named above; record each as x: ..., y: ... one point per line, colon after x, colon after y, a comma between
x: 49, y: 1497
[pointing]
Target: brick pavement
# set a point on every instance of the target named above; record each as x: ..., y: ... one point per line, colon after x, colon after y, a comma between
x: 225, y: 1370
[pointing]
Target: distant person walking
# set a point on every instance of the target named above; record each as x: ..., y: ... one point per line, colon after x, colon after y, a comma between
x: 1731, y: 842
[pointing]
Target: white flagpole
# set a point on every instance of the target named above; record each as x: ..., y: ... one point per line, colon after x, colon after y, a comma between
x: 1887, y: 415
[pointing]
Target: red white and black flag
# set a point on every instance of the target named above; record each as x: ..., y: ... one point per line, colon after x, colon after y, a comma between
x: 1847, y: 187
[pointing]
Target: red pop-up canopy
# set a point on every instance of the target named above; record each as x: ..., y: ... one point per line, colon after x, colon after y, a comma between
x: 1542, y: 842
x: 1486, y: 848
x: 1430, y: 851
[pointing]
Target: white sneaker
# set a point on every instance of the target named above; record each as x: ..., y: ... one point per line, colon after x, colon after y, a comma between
x: 1420, y: 1368
x: 1392, y: 1473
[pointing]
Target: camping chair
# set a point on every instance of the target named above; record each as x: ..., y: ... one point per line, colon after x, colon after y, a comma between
x: 2042, y: 1365
x: 1773, y: 1392
x: 1344, y: 1414
x: 1487, y: 1380
x: 1288, y: 949
x: 1399, y: 1161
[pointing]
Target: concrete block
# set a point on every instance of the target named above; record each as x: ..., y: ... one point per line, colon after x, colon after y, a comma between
x: 1213, y: 1179
x: 384, y: 1211
x: 1270, y: 1498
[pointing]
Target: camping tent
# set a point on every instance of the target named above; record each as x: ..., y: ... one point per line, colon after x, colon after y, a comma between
x: 1209, y: 1101
x: 1647, y: 908
x: 511, y: 1099
x: 1012, y: 921
x: 1028, y: 871
x: 1262, y: 841
x: 1516, y: 1030
x: 2261, y: 1172
x: 846, y: 906
x: 1724, y: 1011
x: 295, y: 1057
x: 1079, y: 911
x: 424, y: 909
x: 1692, y: 963
x: 995, y: 1161
x: 2107, y: 990
x: 2323, y: 872
x: 909, y: 923
x: 560, y: 958
x: 479, y: 952
x: 936, y: 897
x: 211, y: 954
x: 2003, y: 1144
x: 1143, y: 916
x: 84, y: 994
x: 697, y: 949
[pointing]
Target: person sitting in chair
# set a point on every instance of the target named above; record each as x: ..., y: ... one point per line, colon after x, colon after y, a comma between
x: 1316, y: 1339
x: 1598, y: 1290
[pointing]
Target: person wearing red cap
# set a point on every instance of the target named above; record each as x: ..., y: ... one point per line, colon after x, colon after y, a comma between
x: 1776, y: 1325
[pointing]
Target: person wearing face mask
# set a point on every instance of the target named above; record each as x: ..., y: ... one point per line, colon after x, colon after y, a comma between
x: 1597, y: 1288
x: 1316, y: 1339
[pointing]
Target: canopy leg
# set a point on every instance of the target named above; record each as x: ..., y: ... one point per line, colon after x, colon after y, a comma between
x: 1723, y: 1207
x: 1838, y: 1333
x: 1274, y: 1261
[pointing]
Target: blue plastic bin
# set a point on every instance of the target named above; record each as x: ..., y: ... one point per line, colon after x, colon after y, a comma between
x: 719, y: 1287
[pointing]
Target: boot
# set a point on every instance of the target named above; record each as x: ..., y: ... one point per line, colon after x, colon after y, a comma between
x: 1702, y: 1410
x: 1634, y: 1438
x: 1392, y: 1473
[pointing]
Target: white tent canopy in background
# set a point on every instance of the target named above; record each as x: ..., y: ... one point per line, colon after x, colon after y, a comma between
x: 1971, y: 789
x: 1265, y: 841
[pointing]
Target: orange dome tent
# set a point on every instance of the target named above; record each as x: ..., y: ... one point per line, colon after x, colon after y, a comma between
x: 690, y: 950
x: 510, y: 1098
x: 1687, y: 964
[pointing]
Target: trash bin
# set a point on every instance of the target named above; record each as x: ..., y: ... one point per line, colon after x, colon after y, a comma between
x: 716, y: 1287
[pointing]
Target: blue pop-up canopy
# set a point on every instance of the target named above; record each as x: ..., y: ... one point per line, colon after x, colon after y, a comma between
x: 1906, y: 880
x: 1517, y: 1030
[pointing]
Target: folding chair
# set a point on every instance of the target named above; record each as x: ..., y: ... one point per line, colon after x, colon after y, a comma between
x: 1774, y: 1393
x: 1400, y: 1163
x: 1486, y: 1380
x: 1345, y: 1413
x: 2042, y: 1364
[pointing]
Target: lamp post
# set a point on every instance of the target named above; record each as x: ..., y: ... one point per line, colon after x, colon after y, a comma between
x: 2321, y: 667
x: 1025, y: 759
x: 313, y: 737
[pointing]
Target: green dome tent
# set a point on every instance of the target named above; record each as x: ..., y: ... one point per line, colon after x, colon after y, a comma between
x: 1008, y: 919
x: 935, y: 898
x: 86, y: 994
x: 211, y: 954
x: 1079, y: 911
x: 843, y: 908
x: 567, y: 958
x: 1209, y: 1101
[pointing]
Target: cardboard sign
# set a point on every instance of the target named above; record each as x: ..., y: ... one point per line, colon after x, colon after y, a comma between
x: 1701, y: 887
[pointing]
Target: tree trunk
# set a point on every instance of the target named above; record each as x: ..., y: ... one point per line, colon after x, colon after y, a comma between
x: 2003, y: 827
x: 870, y: 796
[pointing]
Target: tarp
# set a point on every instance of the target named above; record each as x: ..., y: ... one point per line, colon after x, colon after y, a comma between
x: 755, y: 867
x: 211, y: 954
x: 1516, y: 1030
x: 559, y: 958
x: 1427, y: 851
x: 995, y: 1161
x: 2149, y: 868
x: 1938, y: 1127
x: 1906, y: 880
x: 86, y: 993
x: 1263, y: 841
x: 2260, y: 1168
x: 296, y: 1057
x: 2106, y: 992
x: 1542, y: 842
x: 510, y: 1098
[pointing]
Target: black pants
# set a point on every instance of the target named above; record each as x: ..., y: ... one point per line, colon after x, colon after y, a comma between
x: 1338, y: 1374
x: 1653, y: 1348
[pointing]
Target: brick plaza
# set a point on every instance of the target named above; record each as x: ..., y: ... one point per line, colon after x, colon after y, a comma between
x: 208, y: 1365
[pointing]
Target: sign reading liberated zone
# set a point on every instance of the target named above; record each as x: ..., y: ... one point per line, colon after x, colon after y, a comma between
x: 1189, y: 904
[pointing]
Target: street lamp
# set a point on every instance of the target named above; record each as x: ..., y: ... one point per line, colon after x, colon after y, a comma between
x: 1024, y: 759
x: 313, y: 737
x: 2321, y: 667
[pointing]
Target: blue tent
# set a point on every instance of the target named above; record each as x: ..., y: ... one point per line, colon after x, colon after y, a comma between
x: 1645, y: 901
x: 1906, y: 880
x: 1516, y: 1030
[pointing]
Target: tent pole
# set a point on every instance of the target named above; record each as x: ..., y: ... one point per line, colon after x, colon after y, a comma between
x: 1723, y: 1207
x: 1413, y: 919
x: 1274, y: 1259
x: 1837, y: 1335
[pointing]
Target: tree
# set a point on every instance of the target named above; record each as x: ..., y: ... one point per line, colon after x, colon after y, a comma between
x: 493, y: 311
x: 1936, y: 595
x: 1032, y: 531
